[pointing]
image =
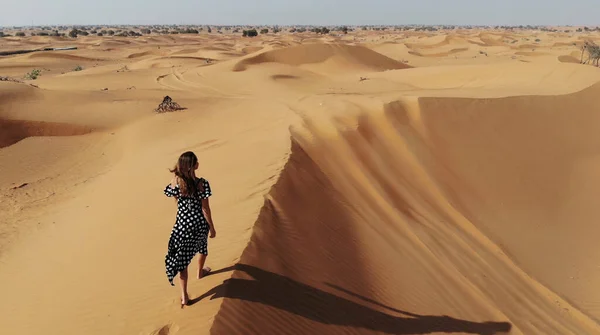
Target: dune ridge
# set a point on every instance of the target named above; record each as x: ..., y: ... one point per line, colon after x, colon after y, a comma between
x: 353, y: 56
x: 370, y: 211
x: 12, y: 131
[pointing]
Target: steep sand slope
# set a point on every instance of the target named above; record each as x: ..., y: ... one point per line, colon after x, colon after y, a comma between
x: 375, y: 229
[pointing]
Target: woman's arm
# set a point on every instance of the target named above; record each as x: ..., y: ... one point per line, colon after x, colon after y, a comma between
x: 173, y: 185
x: 208, y: 216
x: 172, y: 191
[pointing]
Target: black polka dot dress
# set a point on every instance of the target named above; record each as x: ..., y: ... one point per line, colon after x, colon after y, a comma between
x: 190, y: 232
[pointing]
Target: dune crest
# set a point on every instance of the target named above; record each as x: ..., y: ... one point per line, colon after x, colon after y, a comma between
x: 370, y: 226
x: 351, y: 57
x: 12, y: 131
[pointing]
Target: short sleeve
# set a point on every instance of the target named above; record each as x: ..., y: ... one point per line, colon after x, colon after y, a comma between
x: 205, y: 192
x: 171, y: 191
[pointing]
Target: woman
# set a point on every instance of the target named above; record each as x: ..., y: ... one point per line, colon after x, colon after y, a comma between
x: 193, y: 222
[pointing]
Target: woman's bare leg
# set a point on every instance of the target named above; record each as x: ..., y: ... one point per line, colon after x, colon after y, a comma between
x: 201, y: 261
x: 183, y: 277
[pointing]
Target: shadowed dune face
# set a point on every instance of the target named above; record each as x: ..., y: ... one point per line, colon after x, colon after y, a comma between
x: 397, y: 207
x: 568, y: 59
x: 354, y: 56
x: 13, y: 131
x: 60, y: 56
x: 313, y: 239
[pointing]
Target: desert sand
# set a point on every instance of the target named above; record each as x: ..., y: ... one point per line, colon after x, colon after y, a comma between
x: 380, y: 182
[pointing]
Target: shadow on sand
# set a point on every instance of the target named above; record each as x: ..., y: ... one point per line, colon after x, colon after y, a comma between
x: 286, y: 294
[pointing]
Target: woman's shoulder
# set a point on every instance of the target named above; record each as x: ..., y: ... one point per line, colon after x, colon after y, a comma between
x: 204, y: 188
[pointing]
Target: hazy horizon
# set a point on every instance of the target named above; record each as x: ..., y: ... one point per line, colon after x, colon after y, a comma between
x: 307, y: 12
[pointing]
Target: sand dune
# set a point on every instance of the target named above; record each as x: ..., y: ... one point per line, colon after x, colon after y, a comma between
x: 439, y: 54
x: 348, y: 56
x: 391, y: 193
x: 530, y: 53
x: 141, y: 54
x: 60, y: 56
x: 353, y: 193
x: 12, y: 131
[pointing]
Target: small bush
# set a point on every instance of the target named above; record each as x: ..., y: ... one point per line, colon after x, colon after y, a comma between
x: 538, y: 40
x: 146, y: 31
x: 33, y: 75
x: 250, y: 33
x: 99, y: 34
x: 264, y: 31
x: 78, y: 68
x: 73, y: 33
x: 111, y: 32
x: 20, y: 34
x: 323, y: 30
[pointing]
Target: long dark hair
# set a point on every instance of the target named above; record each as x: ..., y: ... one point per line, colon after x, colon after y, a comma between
x: 184, y: 170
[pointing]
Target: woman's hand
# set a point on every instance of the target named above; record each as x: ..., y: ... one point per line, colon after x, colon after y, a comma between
x: 213, y: 233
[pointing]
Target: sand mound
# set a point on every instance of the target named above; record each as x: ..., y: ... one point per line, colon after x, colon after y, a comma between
x: 284, y: 77
x: 351, y: 56
x: 380, y: 223
x: 568, y: 59
x: 13, y: 131
x: 450, y: 39
x: 439, y: 54
x: 531, y: 53
x: 490, y: 40
x: 185, y: 52
x: 251, y: 50
x: 60, y: 56
x: 141, y: 54
x: 564, y: 44
x: 529, y: 46
x: 477, y: 41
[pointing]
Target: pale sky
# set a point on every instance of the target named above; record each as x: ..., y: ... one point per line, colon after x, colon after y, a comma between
x: 282, y: 12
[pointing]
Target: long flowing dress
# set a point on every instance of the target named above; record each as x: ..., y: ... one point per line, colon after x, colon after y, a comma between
x: 190, y: 232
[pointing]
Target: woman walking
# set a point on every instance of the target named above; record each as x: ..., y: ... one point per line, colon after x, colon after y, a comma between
x: 193, y: 223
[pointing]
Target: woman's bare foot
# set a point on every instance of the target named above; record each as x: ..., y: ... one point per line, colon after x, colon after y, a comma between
x: 203, y: 272
x: 185, y: 300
